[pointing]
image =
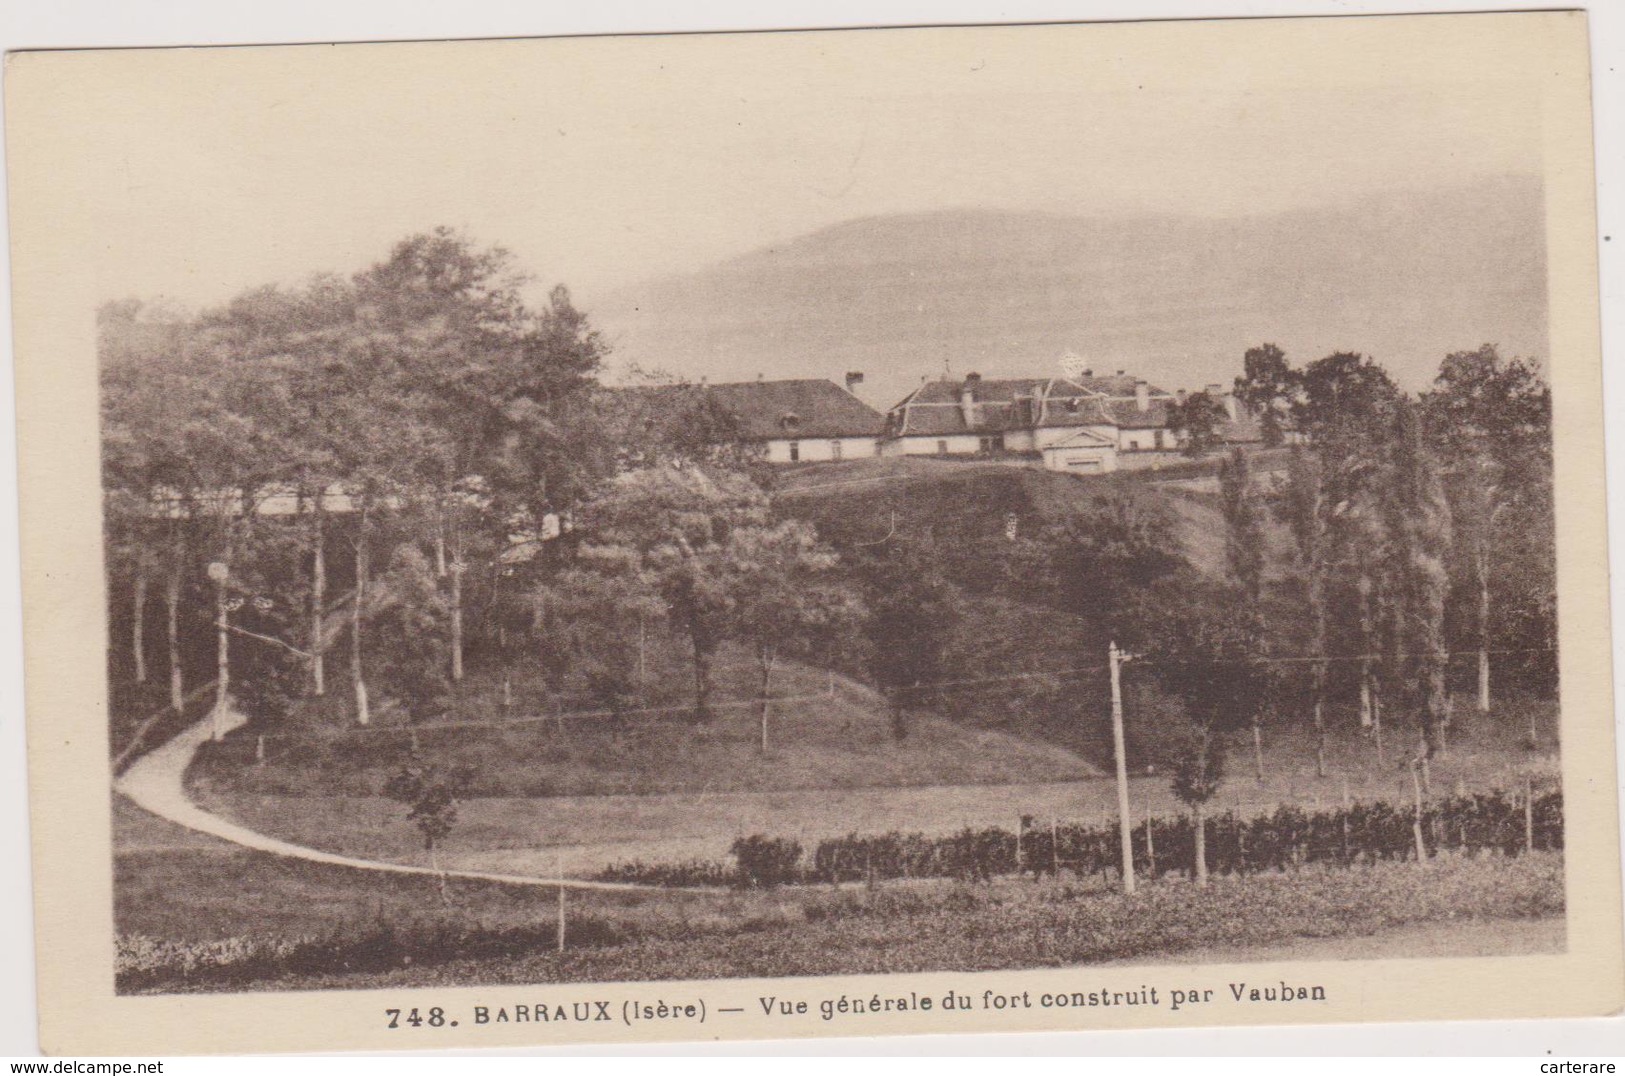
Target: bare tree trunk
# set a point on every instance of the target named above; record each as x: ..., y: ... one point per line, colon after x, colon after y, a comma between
x: 1434, y: 708
x: 318, y: 596
x: 1416, y: 825
x: 440, y: 875
x: 172, y: 603
x: 1200, y: 823
x: 363, y: 714
x: 1376, y: 730
x: 764, y: 657
x: 457, y: 623
x: 1483, y: 627
x: 138, y: 626
x: 507, y: 667
x: 1317, y: 601
x: 1258, y: 750
x: 702, y: 682
x: 1366, y: 643
x: 222, y: 683
x: 900, y: 699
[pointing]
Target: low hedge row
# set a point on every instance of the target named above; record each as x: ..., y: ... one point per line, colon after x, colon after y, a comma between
x: 1287, y: 838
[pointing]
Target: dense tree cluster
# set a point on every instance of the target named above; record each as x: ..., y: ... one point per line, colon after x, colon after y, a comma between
x: 412, y: 469
x: 413, y: 472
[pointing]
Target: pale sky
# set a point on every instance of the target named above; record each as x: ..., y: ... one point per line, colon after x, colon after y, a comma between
x: 601, y: 162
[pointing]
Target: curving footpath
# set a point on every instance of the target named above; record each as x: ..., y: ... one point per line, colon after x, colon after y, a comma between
x: 156, y: 783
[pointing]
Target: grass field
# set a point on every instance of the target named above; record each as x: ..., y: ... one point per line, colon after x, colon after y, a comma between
x: 252, y: 921
x: 819, y: 738
x: 528, y: 834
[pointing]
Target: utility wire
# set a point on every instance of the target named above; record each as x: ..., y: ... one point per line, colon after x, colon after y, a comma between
x: 1069, y: 673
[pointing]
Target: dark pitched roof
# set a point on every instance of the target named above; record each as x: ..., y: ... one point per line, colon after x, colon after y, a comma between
x: 768, y: 410
x: 1127, y: 413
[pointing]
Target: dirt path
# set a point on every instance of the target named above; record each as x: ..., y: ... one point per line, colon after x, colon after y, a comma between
x: 156, y: 783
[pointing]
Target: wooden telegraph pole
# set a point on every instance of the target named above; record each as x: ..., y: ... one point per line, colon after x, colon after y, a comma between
x: 1115, y: 659
x: 220, y: 573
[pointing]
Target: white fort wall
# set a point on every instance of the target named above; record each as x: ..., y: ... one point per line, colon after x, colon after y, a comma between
x: 821, y: 449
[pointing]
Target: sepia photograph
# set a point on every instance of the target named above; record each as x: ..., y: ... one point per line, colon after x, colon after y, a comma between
x: 863, y: 503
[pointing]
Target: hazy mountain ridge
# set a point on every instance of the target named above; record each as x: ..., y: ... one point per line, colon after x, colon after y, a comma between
x: 1405, y: 277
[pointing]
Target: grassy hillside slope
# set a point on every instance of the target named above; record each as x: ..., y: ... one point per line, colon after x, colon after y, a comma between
x: 817, y: 739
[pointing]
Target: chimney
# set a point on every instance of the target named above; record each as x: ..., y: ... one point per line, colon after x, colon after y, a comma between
x: 853, y: 377
x: 1180, y: 395
x: 967, y: 399
x: 1142, y: 395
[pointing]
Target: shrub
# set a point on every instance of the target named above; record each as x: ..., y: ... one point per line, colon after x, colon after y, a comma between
x: 1287, y: 839
x: 765, y: 862
x: 688, y: 872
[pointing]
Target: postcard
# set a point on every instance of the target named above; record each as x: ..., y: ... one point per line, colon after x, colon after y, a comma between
x: 770, y: 535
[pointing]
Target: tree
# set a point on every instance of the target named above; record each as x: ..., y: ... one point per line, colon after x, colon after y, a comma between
x: 287, y: 343
x: 420, y: 398
x: 1489, y: 420
x: 1244, y: 541
x: 499, y: 391
x: 595, y: 610
x: 1347, y: 406
x: 679, y: 521
x: 155, y: 409
x: 431, y: 793
x: 912, y: 613
x: 1200, y: 419
x: 1213, y: 663
x: 1271, y: 388
x: 662, y: 419
x: 786, y: 602
x: 1244, y: 546
x: 407, y: 617
x: 267, y: 678
x: 1303, y: 507
x: 1102, y: 564
x: 1345, y: 403
x: 267, y: 671
x: 1417, y: 517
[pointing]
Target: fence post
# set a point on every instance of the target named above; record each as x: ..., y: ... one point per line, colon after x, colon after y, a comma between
x: 259, y: 750
x: 558, y: 860
x: 1055, y: 847
x: 1115, y: 660
x: 1529, y: 813
x: 1345, y: 792
x: 1150, y: 842
x: 1416, y: 823
x: 1020, y: 825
